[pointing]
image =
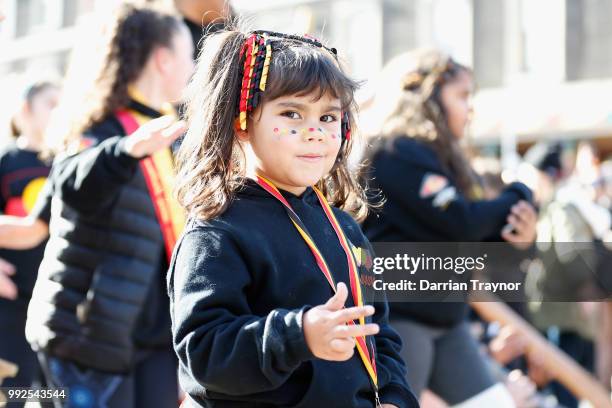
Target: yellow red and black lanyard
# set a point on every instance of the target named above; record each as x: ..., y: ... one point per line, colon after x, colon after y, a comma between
x: 366, y: 354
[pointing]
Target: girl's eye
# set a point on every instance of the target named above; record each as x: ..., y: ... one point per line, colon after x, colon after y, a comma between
x: 328, y: 118
x: 291, y: 115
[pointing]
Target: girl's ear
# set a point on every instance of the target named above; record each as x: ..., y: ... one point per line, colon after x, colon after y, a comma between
x: 161, y: 57
x: 26, y: 109
x: 242, y: 135
x: 22, y: 115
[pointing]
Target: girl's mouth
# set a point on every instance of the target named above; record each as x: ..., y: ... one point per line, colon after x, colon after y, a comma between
x: 311, y: 157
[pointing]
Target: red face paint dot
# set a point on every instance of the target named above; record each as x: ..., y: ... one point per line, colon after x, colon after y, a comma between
x: 311, y: 129
x: 275, y: 130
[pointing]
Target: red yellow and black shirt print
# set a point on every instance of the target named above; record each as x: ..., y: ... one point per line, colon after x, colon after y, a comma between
x: 22, y: 177
x: 22, y: 205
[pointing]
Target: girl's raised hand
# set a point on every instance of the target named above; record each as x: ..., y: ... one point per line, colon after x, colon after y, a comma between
x: 325, y: 329
x: 153, y: 136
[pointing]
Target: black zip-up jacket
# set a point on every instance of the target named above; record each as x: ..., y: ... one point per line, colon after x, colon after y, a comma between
x: 423, y: 204
x: 239, y: 286
x: 100, y: 294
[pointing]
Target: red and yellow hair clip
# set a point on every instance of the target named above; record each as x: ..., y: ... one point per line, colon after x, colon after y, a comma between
x: 256, y: 54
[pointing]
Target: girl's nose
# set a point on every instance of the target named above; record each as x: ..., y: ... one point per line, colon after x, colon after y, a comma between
x: 313, y: 134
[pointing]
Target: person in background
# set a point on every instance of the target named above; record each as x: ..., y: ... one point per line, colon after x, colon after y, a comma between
x: 566, y: 273
x: 203, y: 17
x: 417, y: 167
x: 99, y: 310
x: 604, y: 344
x: 22, y: 176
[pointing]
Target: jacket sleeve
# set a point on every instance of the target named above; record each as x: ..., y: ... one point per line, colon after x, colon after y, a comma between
x: 419, y: 188
x: 91, y: 180
x: 393, y: 387
x: 215, y: 334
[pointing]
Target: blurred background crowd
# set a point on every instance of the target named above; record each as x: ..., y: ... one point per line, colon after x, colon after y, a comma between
x: 540, y: 113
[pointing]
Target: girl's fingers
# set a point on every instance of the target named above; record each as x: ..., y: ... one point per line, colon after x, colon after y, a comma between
x: 6, y: 268
x: 518, y: 213
x: 524, y: 212
x: 8, y: 289
x: 174, y: 131
x: 159, y: 124
x: 355, y: 330
x: 510, y: 237
x: 532, y: 215
x: 163, y: 138
x: 336, y: 302
x: 353, y: 313
x: 516, y: 222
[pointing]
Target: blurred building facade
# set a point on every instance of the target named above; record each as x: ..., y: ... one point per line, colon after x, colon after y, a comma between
x: 543, y: 68
x: 36, y: 39
x: 39, y: 34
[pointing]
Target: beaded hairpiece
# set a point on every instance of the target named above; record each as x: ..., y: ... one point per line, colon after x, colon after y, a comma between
x: 255, y: 55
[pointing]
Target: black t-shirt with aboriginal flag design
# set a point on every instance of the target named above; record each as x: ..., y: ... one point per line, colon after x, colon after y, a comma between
x: 22, y: 176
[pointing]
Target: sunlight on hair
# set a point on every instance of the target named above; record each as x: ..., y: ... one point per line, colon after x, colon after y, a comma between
x: 81, y: 72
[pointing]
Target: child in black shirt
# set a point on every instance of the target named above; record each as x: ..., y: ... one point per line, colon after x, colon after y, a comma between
x: 22, y: 176
x: 266, y: 285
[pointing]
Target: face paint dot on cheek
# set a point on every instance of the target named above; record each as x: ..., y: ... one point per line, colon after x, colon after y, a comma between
x: 311, y: 129
x: 293, y: 131
x: 275, y: 130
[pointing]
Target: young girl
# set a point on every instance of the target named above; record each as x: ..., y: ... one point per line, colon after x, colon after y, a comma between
x: 99, y: 312
x: 432, y: 194
x: 258, y: 284
x: 22, y: 175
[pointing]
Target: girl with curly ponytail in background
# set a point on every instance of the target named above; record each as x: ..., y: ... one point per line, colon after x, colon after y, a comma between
x: 99, y: 312
x: 420, y: 169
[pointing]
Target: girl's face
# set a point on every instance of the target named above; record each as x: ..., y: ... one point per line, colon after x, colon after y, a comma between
x: 180, y: 64
x: 456, y: 100
x: 295, y: 140
x: 38, y: 111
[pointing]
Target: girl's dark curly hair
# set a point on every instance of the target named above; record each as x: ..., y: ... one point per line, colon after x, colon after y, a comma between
x: 409, y: 104
x: 211, y: 164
